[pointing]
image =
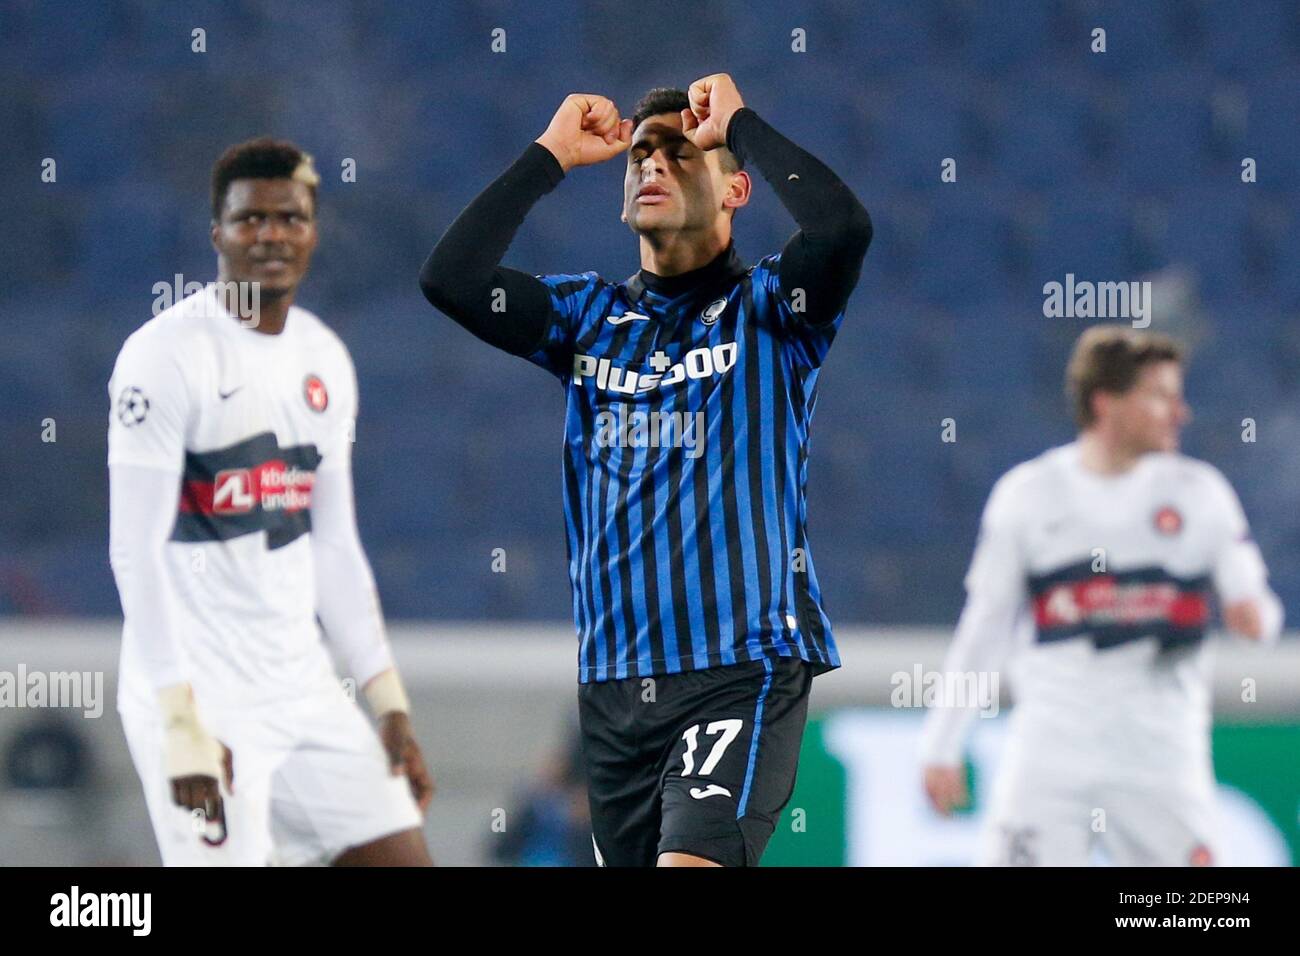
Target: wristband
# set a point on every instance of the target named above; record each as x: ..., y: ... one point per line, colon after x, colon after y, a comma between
x: 188, y: 749
x: 386, y: 694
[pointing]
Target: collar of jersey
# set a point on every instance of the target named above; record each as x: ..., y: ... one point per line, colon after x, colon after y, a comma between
x: 216, y: 310
x: 727, y: 265
x: 1136, y: 470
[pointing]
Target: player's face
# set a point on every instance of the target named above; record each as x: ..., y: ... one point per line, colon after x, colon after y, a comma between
x: 1150, y: 415
x: 266, y: 234
x: 669, y: 184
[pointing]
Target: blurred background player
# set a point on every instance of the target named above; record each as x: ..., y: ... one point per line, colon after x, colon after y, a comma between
x: 688, y: 558
x: 232, y: 527
x: 1095, y: 564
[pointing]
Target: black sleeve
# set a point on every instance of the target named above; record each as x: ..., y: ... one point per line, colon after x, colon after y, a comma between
x: 465, y: 266
x: 824, y: 258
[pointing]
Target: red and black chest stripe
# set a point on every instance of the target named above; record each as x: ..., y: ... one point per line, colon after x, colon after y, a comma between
x: 254, y: 485
x: 1120, y: 606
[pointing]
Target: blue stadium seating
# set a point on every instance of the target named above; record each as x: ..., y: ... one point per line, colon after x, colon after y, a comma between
x: 1109, y: 166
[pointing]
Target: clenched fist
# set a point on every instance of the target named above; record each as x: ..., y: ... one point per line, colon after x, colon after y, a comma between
x: 714, y: 100
x: 586, y: 129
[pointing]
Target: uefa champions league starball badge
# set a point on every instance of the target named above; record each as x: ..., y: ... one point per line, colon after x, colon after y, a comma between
x: 132, y: 406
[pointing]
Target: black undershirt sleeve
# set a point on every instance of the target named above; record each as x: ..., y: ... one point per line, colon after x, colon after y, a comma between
x: 465, y: 266
x: 824, y: 258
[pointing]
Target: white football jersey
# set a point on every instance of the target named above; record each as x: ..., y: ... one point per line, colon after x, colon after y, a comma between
x: 1101, y: 588
x: 245, y: 421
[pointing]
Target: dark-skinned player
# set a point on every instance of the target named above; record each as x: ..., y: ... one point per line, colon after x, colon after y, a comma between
x: 232, y: 529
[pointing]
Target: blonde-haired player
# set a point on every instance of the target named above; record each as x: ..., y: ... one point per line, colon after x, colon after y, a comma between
x: 1093, y: 576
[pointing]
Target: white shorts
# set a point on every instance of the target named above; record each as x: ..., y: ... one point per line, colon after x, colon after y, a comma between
x: 1043, y: 814
x: 311, y: 780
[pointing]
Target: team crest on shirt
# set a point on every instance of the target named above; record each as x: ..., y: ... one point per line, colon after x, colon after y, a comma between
x: 712, y: 311
x: 1168, y: 521
x: 1201, y: 856
x: 313, y: 389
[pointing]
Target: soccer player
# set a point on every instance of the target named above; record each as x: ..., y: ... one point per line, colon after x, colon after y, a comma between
x: 231, y: 529
x: 690, y: 387
x: 1093, y: 572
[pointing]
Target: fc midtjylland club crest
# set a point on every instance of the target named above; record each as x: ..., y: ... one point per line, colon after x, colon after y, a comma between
x: 1168, y: 521
x: 313, y: 389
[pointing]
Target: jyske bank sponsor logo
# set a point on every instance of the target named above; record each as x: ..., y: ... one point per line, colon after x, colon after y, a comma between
x: 274, y: 486
x: 704, y: 362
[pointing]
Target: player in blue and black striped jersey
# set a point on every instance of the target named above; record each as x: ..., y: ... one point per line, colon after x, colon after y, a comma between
x: 690, y: 389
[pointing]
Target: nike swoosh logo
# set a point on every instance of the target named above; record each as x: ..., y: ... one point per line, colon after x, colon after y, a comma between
x: 626, y: 317
x: 226, y: 395
x: 712, y: 790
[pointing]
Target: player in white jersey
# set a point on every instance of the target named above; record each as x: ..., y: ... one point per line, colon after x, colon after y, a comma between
x: 232, y: 528
x: 1092, y: 578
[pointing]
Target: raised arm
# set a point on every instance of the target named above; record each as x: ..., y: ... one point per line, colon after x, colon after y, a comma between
x: 463, y: 272
x: 824, y: 258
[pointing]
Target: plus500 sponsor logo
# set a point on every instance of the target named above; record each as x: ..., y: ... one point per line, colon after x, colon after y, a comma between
x: 703, y: 362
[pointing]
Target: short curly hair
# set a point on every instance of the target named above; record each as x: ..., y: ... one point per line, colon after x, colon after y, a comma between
x: 261, y: 158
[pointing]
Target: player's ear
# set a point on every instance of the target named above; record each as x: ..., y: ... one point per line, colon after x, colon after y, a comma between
x: 738, y: 190
x: 213, y: 233
x: 314, y: 241
x: 1101, y: 402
